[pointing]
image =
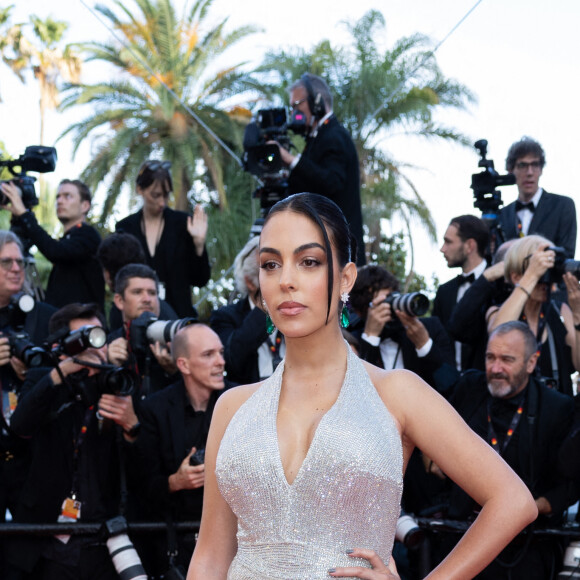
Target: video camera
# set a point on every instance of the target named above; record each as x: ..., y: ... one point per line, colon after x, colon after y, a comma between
x: 263, y: 160
x: 148, y: 329
x: 485, y: 184
x: 35, y: 158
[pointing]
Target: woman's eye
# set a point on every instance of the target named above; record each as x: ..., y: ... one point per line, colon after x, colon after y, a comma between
x: 269, y: 265
x: 310, y: 262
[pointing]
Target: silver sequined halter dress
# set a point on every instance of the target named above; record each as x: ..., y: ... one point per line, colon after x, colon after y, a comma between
x: 346, y: 494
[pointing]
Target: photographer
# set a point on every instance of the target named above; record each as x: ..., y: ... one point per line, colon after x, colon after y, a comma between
x: 76, y: 275
x: 528, y: 265
x: 31, y: 326
x: 395, y: 339
x: 74, y: 470
x: 329, y: 163
x: 172, y: 440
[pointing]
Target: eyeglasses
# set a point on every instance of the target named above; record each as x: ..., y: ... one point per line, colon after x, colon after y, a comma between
x: 297, y: 103
x: 6, y: 263
x: 523, y: 166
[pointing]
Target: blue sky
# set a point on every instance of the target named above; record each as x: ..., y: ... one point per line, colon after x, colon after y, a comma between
x: 519, y: 58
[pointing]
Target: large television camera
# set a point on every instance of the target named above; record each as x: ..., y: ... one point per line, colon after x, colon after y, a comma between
x: 263, y: 159
x: 35, y: 158
x: 485, y: 184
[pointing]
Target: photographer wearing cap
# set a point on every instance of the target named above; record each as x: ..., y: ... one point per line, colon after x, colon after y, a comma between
x: 74, y: 470
x: 329, y: 163
x: 394, y: 339
x: 536, y: 211
x: 76, y: 275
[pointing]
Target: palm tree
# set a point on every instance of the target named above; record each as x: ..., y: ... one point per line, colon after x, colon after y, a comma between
x: 378, y: 95
x: 42, y: 54
x: 134, y: 116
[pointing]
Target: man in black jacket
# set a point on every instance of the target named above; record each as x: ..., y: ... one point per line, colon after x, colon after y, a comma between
x: 536, y: 211
x: 526, y: 423
x: 76, y: 274
x: 329, y: 163
x: 175, y: 425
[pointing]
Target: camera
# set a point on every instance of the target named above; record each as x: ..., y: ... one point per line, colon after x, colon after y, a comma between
x: 71, y: 343
x: 22, y: 348
x: 484, y: 184
x: 571, y: 568
x: 413, y: 303
x: 125, y: 558
x: 561, y: 266
x: 408, y: 532
x: 147, y: 329
x: 110, y: 380
x: 197, y: 458
x: 35, y: 158
x: 263, y: 160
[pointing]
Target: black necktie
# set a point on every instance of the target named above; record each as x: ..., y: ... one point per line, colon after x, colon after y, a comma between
x: 461, y: 279
x: 520, y: 205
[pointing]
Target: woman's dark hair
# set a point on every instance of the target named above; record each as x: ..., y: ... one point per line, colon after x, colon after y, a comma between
x: 325, y: 214
x: 152, y: 171
x: 369, y: 280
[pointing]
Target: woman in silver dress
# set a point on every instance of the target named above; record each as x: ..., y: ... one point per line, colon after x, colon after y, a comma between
x: 304, y: 470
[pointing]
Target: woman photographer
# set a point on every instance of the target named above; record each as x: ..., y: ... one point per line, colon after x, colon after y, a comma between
x: 173, y: 242
x: 556, y: 325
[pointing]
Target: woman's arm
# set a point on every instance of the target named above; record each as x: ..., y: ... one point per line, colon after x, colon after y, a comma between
x: 217, y: 544
x: 512, y: 308
x: 571, y: 316
x: 430, y: 423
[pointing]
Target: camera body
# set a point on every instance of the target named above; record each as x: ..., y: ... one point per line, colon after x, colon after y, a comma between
x: 35, y: 158
x: 561, y: 265
x: 148, y: 329
x: 412, y: 303
x: 198, y: 457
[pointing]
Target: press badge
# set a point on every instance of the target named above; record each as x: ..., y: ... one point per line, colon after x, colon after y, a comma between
x: 70, y: 510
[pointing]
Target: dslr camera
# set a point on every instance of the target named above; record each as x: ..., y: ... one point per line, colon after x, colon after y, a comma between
x: 35, y: 158
x: 561, y: 265
x: 125, y: 558
x: 148, y: 329
x: 412, y: 303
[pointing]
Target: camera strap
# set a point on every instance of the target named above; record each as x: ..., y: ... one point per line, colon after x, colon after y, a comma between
x: 78, y: 441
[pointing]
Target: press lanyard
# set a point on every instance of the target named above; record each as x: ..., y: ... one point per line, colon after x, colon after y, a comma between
x: 491, y: 434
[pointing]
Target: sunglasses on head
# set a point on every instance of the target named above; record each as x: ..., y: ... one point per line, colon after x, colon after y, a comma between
x: 154, y: 166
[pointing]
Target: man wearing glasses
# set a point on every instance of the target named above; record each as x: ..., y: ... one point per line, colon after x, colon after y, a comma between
x: 536, y: 211
x: 76, y: 275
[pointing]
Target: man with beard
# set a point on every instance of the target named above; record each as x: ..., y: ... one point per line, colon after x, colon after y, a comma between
x: 525, y: 422
x: 464, y: 245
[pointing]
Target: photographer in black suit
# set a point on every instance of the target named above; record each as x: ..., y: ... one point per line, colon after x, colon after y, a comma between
x: 329, y: 163
x: 536, y: 211
x: 74, y: 469
x: 394, y: 339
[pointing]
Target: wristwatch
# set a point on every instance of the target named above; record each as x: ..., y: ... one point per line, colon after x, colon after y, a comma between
x: 134, y: 431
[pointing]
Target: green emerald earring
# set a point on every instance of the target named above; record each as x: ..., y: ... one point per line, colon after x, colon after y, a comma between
x: 344, y: 321
x: 269, y: 324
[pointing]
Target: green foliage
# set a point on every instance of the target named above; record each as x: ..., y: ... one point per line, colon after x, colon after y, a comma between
x: 134, y: 117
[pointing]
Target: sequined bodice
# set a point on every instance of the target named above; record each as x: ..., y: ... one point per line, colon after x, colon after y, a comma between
x: 346, y: 494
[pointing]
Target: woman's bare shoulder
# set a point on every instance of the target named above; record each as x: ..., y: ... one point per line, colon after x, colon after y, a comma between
x: 232, y: 399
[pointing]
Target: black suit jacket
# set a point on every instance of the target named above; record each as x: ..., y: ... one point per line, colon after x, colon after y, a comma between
x: 175, y: 261
x: 242, y: 331
x: 443, y: 307
x: 437, y: 368
x: 76, y: 274
x: 161, y: 447
x: 554, y: 218
x: 329, y: 166
x: 539, y: 440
